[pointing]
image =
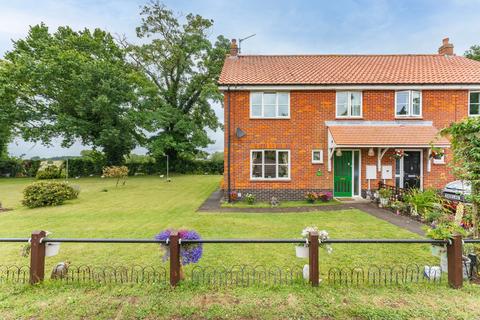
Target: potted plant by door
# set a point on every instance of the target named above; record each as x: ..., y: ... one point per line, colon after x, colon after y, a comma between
x: 384, y: 195
x: 444, y: 230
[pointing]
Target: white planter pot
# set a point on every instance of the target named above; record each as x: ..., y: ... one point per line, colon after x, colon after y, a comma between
x: 52, y: 249
x: 437, y: 250
x: 383, y: 202
x: 301, y: 252
x: 444, y: 261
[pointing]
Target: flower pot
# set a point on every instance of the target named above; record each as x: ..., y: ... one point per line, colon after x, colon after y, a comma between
x: 301, y: 251
x: 444, y: 261
x: 436, y: 250
x: 52, y: 249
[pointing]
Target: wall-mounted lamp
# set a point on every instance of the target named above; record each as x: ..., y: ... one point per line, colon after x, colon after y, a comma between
x: 338, y: 153
x: 240, y: 133
x: 371, y: 153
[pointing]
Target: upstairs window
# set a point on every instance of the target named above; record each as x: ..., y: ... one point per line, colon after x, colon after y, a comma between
x: 270, y: 105
x: 349, y: 104
x: 270, y: 164
x: 474, y: 104
x: 408, y: 103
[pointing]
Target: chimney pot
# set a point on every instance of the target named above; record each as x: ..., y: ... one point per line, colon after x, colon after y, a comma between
x: 446, y: 48
x: 234, y: 48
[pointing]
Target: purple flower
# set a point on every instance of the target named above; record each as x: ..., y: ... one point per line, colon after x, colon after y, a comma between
x: 189, y: 253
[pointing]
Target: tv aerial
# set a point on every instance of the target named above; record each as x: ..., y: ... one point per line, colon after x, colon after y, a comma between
x: 243, y: 39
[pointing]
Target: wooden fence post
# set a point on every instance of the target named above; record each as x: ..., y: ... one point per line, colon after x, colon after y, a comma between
x: 174, y: 258
x: 313, y: 258
x: 37, y: 257
x: 455, y: 262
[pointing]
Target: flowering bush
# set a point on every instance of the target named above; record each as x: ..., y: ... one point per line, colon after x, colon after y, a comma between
x: 189, y: 253
x: 398, y: 154
x: 233, y: 196
x: 118, y: 172
x: 322, y: 236
x: 250, y: 198
x: 311, y: 197
x: 325, y: 196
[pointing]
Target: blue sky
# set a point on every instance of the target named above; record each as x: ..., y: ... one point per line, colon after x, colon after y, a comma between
x: 280, y: 26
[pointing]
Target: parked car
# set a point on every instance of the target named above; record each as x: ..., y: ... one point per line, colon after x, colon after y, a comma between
x: 457, y: 190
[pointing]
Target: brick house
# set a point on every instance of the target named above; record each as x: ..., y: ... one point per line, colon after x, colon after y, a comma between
x: 298, y: 123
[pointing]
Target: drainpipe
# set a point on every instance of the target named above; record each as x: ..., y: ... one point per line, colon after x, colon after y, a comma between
x: 229, y: 188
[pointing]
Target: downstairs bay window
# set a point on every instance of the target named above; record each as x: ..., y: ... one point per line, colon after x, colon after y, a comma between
x: 270, y: 164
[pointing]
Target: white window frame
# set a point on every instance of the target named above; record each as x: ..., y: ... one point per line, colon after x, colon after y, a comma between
x: 439, y: 161
x: 349, y: 104
x: 410, y: 104
x: 263, y: 165
x: 469, y: 114
x: 263, y: 107
x: 321, y: 156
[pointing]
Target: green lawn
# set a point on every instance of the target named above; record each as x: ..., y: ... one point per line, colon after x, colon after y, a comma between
x: 147, y: 205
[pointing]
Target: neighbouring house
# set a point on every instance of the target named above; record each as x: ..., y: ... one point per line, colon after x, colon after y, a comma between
x: 298, y: 123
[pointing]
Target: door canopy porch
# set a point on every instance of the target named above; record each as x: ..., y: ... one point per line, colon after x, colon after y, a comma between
x: 383, y: 137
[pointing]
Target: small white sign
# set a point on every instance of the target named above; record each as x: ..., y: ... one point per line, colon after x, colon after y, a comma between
x: 386, y: 172
x: 371, y: 172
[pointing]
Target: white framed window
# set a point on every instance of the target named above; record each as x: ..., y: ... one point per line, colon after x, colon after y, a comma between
x: 439, y: 161
x: 317, y: 156
x: 271, y: 105
x: 270, y: 164
x: 408, y: 103
x: 349, y: 104
x: 474, y: 103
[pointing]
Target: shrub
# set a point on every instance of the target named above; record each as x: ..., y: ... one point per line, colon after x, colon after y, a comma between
x: 423, y: 203
x: 325, y: 196
x: 385, y: 193
x: 50, y: 172
x: 250, y: 198
x: 311, y: 197
x: 42, y: 194
x: 118, y: 172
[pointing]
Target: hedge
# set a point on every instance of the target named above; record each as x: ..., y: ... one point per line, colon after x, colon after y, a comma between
x: 84, y: 167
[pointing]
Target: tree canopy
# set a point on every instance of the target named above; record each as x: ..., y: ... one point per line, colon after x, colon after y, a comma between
x: 473, y: 53
x: 465, y: 139
x: 74, y: 85
x: 183, y: 66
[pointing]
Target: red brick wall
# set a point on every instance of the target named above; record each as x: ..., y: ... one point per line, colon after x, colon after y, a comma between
x: 306, y: 130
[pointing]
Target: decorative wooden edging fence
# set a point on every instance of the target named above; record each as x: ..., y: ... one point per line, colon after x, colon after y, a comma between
x: 38, y: 242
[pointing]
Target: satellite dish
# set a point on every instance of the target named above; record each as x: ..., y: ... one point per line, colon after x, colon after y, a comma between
x: 240, y: 133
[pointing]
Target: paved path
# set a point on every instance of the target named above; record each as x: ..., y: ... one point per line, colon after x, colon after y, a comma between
x: 212, y: 204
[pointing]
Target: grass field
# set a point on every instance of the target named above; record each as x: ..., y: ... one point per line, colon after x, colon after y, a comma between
x: 147, y: 205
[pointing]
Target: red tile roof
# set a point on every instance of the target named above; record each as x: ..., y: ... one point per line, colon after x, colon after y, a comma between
x: 397, y: 135
x: 349, y: 69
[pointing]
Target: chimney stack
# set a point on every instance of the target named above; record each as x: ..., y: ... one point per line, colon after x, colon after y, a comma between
x: 234, y: 48
x: 446, y: 49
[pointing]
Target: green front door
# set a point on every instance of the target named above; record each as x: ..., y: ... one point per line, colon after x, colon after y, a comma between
x: 342, y: 174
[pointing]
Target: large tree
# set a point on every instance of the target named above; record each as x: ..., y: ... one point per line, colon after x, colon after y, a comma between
x: 465, y: 138
x: 77, y: 86
x: 183, y: 65
x: 473, y: 53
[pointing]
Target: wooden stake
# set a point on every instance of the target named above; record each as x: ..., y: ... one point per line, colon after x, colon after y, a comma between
x: 313, y: 258
x: 37, y: 257
x: 174, y: 259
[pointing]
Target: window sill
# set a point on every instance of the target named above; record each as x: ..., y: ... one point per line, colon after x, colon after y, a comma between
x: 349, y: 118
x: 409, y: 118
x: 264, y: 118
x: 474, y: 115
x: 270, y: 180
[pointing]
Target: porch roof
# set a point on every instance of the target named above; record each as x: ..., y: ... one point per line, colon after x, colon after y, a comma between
x: 387, y: 136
